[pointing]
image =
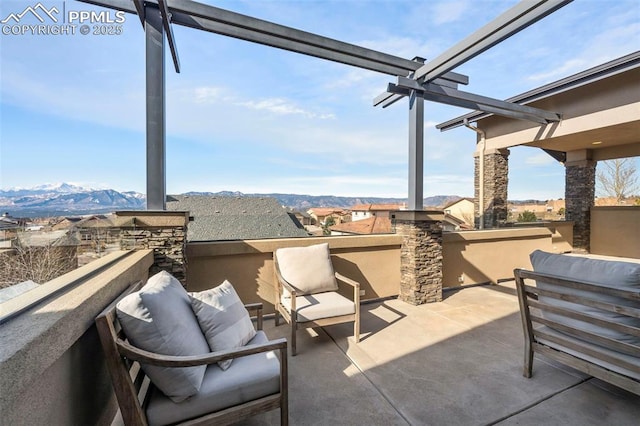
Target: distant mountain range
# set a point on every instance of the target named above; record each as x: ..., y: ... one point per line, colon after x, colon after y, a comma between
x: 64, y: 199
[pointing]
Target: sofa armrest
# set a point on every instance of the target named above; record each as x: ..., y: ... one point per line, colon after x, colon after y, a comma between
x: 136, y: 354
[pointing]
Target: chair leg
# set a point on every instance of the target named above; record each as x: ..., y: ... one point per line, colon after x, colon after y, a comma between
x: 528, y: 360
x: 277, y: 317
x: 293, y: 338
x: 356, y: 331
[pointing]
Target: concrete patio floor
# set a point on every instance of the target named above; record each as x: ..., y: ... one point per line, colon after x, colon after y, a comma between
x: 458, y: 362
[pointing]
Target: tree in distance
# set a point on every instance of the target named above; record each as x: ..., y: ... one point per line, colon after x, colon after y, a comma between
x: 618, y: 178
x: 527, y: 216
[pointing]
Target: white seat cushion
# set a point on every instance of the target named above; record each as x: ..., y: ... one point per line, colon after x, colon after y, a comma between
x: 223, y: 319
x: 158, y: 318
x: 248, y: 378
x: 320, y: 305
x: 308, y: 269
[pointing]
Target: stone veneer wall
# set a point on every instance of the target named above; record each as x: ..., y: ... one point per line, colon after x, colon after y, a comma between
x: 496, y: 181
x: 420, y: 256
x: 165, y: 232
x: 580, y: 183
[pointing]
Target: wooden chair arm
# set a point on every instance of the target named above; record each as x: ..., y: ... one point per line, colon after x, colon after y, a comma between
x: 346, y: 280
x: 286, y: 284
x: 253, y: 306
x: 136, y: 354
x: 354, y: 284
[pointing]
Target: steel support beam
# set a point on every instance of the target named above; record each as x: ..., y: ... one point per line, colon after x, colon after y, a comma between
x: 517, y: 18
x: 416, y: 151
x: 139, y: 4
x: 166, y: 22
x: 155, y: 99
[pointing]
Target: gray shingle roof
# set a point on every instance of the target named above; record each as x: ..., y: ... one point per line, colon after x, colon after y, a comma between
x: 234, y: 218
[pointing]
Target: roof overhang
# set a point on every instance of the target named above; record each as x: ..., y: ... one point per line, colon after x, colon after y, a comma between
x: 601, y: 113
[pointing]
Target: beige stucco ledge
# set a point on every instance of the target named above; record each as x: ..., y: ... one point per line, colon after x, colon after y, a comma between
x: 497, y: 234
x: 35, y: 339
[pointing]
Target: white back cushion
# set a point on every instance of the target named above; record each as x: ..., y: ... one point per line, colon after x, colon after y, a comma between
x: 307, y: 269
x: 158, y: 318
x: 223, y: 319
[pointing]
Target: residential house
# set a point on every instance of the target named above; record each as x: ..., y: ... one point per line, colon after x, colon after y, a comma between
x: 235, y: 218
x: 371, y: 225
x: 66, y: 222
x: 384, y: 225
x: 321, y: 214
x: 303, y: 217
x: 365, y: 211
x: 9, y: 227
x: 461, y: 209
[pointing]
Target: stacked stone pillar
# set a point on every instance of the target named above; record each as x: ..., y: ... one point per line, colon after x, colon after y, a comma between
x: 165, y: 232
x: 580, y: 183
x: 420, y: 255
x: 496, y: 181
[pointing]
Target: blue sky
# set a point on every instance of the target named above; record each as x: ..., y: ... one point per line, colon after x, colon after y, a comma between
x: 245, y: 117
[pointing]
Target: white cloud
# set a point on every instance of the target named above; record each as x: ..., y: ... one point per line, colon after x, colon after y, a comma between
x: 617, y: 41
x: 71, y: 99
x: 207, y: 95
x: 282, y: 107
x: 450, y: 11
x: 569, y: 67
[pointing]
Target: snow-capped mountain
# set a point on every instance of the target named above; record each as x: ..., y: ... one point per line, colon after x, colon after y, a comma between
x: 61, y: 198
x: 46, y: 189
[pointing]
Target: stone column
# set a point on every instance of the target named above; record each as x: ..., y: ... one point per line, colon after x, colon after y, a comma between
x: 163, y: 231
x: 496, y: 181
x: 420, y: 255
x: 579, y: 189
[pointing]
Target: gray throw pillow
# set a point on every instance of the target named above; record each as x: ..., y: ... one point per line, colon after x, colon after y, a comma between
x: 158, y: 318
x: 223, y: 319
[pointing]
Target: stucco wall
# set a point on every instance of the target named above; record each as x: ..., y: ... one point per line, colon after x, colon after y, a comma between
x: 372, y: 260
x: 615, y: 231
x: 52, y: 370
x: 475, y: 257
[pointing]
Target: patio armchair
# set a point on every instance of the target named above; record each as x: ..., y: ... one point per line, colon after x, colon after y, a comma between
x: 174, y: 356
x: 307, y: 291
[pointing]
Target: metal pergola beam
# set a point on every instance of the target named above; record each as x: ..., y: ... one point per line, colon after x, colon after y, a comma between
x: 236, y: 25
x: 455, y: 97
x: 504, y: 26
x: 156, y: 111
x: 416, y: 151
x: 166, y: 23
